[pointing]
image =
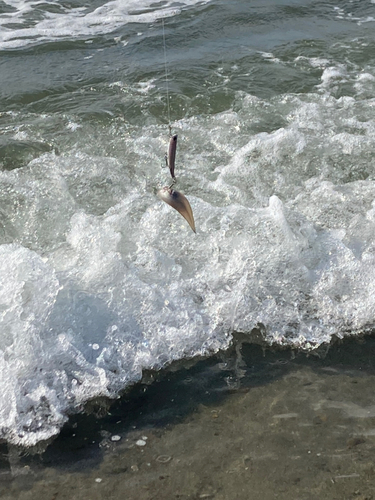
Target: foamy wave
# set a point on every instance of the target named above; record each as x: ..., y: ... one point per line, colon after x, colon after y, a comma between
x: 77, y: 22
x: 342, y: 13
x: 102, y: 280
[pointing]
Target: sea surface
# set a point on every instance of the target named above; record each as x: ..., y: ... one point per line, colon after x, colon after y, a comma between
x: 100, y: 281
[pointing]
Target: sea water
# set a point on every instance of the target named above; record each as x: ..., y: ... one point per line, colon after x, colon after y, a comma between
x: 273, y: 104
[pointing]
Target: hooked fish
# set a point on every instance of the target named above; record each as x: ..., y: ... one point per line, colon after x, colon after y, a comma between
x: 179, y: 202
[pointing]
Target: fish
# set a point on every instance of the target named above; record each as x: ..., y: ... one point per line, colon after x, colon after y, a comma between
x: 179, y: 202
x: 172, y: 154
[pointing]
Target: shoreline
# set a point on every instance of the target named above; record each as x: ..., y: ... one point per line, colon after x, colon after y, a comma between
x: 273, y: 424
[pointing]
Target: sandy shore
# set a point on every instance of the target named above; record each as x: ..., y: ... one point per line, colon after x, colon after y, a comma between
x: 259, y: 427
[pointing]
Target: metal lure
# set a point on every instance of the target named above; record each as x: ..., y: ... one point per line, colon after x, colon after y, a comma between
x: 179, y: 202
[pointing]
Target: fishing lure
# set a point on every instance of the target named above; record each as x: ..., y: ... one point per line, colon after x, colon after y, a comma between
x: 172, y: 154
x: 174, y: 198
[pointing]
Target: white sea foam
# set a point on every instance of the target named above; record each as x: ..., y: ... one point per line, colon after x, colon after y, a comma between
x: 315, y: 62
x: 270, y: 57
x: 342, y: 13
x: 19, y: 27
x: 102, y: 280
x: 336, y: 74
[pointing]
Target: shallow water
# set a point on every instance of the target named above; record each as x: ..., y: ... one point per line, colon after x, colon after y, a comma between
x: 100, y: 281
x: 273, y: 424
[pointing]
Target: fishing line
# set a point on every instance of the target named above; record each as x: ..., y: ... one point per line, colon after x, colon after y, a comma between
x: 166, y: 79
x: 170, y: 196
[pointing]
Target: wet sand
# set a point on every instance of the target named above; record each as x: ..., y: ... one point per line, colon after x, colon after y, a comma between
x: 246, y: 424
